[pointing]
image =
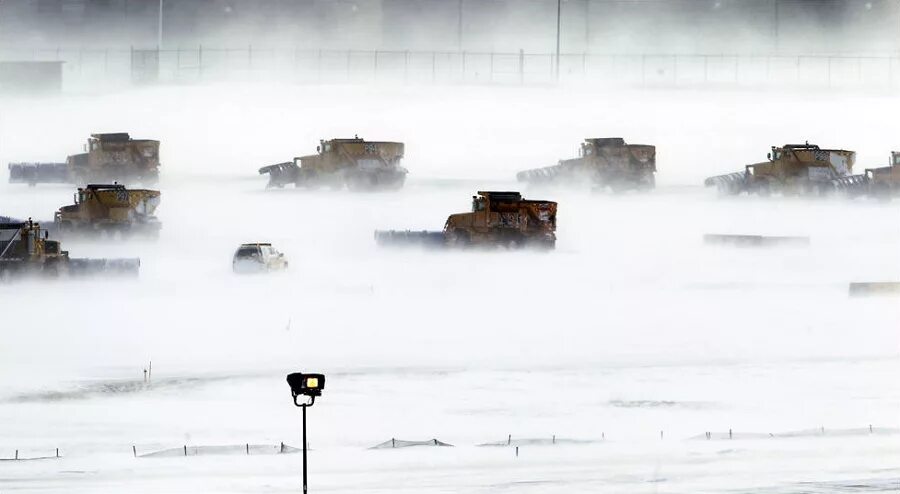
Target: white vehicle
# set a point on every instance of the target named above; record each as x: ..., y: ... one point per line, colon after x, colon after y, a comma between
x: 258, y: 257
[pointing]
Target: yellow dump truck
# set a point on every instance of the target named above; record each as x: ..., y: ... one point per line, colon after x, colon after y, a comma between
x: 355, y: 163
x: 108, y: 158
x: 497, y: 219
x: 882, y: 182
x: 26, y: 250
x: 601, y: 163
x: 800, y: 169
x: 107, y: 210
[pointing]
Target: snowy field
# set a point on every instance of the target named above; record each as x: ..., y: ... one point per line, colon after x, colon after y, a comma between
x: 628, y: 343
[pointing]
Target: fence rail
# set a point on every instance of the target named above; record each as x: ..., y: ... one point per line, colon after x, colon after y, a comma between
x: 92, y: 68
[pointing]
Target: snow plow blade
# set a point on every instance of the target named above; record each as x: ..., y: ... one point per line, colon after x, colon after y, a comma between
x: 753, y: 240
x: 730, y: 183
x: 39, y: 173
x: 281, y: 174
x: 863, y: 289
x: 540, y: 175
x: 104, y: 267
x: 852, y: 185
x: 401, y: 238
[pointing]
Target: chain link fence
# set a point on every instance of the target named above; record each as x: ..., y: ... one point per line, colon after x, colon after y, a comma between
x: 93, y: 69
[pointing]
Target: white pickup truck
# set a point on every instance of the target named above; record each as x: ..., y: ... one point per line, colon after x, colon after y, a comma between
x: 258, y: 257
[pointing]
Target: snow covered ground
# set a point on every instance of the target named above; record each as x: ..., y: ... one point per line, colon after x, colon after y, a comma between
x: 633, y: 337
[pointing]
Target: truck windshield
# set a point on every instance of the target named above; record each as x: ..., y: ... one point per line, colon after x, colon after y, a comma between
x: 245, y: 252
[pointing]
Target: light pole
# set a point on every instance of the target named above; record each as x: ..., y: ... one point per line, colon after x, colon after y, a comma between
x: 311, y: 386
x: 459, y: 28
x: 558, y: 18
x: 159, y: 27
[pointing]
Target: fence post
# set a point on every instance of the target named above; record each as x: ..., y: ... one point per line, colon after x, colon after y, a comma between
x: 492, y: 68
x: 349, y: 54
x: 57, y: 452
x: 674, y: 70
x: 185, y: 450
x: 643, y: 69
x: 464, y: 66
x: 248, y: 449
x: 521, y: 66
x: 737, y: 66
x: 891, y: 72
x: 134, y: 450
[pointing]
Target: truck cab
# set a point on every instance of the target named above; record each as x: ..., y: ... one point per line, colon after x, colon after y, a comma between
x: 504, y: 218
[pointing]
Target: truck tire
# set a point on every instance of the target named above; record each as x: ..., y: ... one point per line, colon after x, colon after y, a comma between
x: 460, y: 238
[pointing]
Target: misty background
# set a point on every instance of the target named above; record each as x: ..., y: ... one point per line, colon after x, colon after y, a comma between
x: 778, y: 43
x: 594, y: 26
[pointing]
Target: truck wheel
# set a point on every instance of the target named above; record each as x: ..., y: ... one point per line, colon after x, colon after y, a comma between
x: 460, y: 238
x: 882, y: 192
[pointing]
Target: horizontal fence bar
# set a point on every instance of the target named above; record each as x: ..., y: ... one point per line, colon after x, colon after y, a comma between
x: 84, y: 67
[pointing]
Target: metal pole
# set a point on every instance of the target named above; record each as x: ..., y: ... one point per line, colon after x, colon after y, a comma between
x: 558, y: 17
x: 304, y: 450
x: 459, y: 27
x: 777, y: 31
x: 159, y: 26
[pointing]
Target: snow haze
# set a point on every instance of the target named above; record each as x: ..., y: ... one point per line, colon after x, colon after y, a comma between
x: 605, y: 362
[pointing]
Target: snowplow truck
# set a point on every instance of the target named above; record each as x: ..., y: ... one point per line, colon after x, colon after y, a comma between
x: 26, y: 250
x: 355, y: 163
x: 105, y: 210
x: 501, y: 219
x: 796, y: 169
x: 108, y: 158
x: 602, y: 162
x: 883, y: 182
